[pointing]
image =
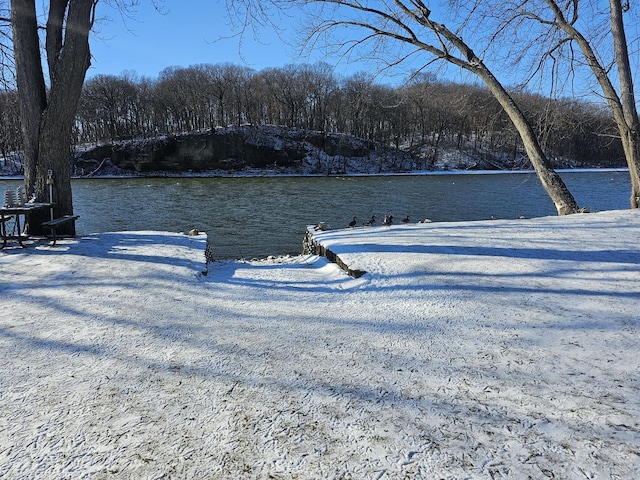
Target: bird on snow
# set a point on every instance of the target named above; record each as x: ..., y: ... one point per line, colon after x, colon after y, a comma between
x: 406, y: 220
x: 388, y: 220
x: 371, y: 221
x: 353, y: 222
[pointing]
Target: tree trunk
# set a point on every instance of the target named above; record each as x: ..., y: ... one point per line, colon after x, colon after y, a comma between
x: 31, y: 86
x: 554, y: 185
x: 48, y: 123
x: 630, y: 133
x: 631, y: 146
x: 622, y: 106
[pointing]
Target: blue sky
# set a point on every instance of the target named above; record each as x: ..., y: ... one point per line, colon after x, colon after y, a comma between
x: 187, y: 33
x: 199, y: 31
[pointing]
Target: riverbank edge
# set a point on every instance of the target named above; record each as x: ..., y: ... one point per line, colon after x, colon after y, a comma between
x: 311, y: 246
x: 268, y: 174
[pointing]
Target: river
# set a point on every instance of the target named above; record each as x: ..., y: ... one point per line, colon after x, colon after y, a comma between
x: 259, y: 216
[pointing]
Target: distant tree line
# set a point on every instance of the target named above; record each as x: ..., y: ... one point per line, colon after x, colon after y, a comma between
x: 424, y: 115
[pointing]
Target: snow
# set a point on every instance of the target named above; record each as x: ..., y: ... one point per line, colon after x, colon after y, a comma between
x: 497, y: 349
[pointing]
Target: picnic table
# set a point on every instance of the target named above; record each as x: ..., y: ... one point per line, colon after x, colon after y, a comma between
x: 11, y: 227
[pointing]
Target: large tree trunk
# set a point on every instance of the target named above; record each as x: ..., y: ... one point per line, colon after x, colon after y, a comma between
x: 48, y: 123
x: 630, y: 131
x: 631, y: 147
x: 622, y: 106
x: 31, y: 86
x: 554, y: 185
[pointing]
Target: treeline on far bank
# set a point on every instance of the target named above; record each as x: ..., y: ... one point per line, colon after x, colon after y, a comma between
x: 423, y: 116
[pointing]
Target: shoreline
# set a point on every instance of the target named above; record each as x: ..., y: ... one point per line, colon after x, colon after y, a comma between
x: 266, y: 174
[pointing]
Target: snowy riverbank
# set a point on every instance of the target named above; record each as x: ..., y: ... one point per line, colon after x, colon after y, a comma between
x: 504, y: 349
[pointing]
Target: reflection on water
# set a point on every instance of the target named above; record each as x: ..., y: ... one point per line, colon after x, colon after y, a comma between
x: 247, y: 217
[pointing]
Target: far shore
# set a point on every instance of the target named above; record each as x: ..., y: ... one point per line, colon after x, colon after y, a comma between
x: 270, y: 174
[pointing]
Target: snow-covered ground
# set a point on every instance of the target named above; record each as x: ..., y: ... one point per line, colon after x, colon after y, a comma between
x: 504, y: 349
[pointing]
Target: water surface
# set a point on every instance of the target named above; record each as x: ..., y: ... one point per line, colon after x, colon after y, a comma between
x: 247, y: 217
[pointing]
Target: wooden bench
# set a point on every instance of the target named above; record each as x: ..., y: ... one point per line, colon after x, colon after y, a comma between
x: 56, y: 222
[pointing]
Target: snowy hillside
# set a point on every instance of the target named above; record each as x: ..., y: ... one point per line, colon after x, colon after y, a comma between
x: 273, y: 150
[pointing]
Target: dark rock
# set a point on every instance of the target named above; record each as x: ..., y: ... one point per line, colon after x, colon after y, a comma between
x: 227, y: 149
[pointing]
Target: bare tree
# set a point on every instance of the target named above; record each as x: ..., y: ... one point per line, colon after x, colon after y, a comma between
x: 7, y: 70
x: 285, y: 87
x: 47, y: 114
x: 181, y: 95
x: 220, y: 80
x: 408, y: 24
x: 567, y: 19
x: 319, y: 84
x: 357, y: 91
x: 242, y: 96
x: 110, y: 100
x: 10, y: 137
